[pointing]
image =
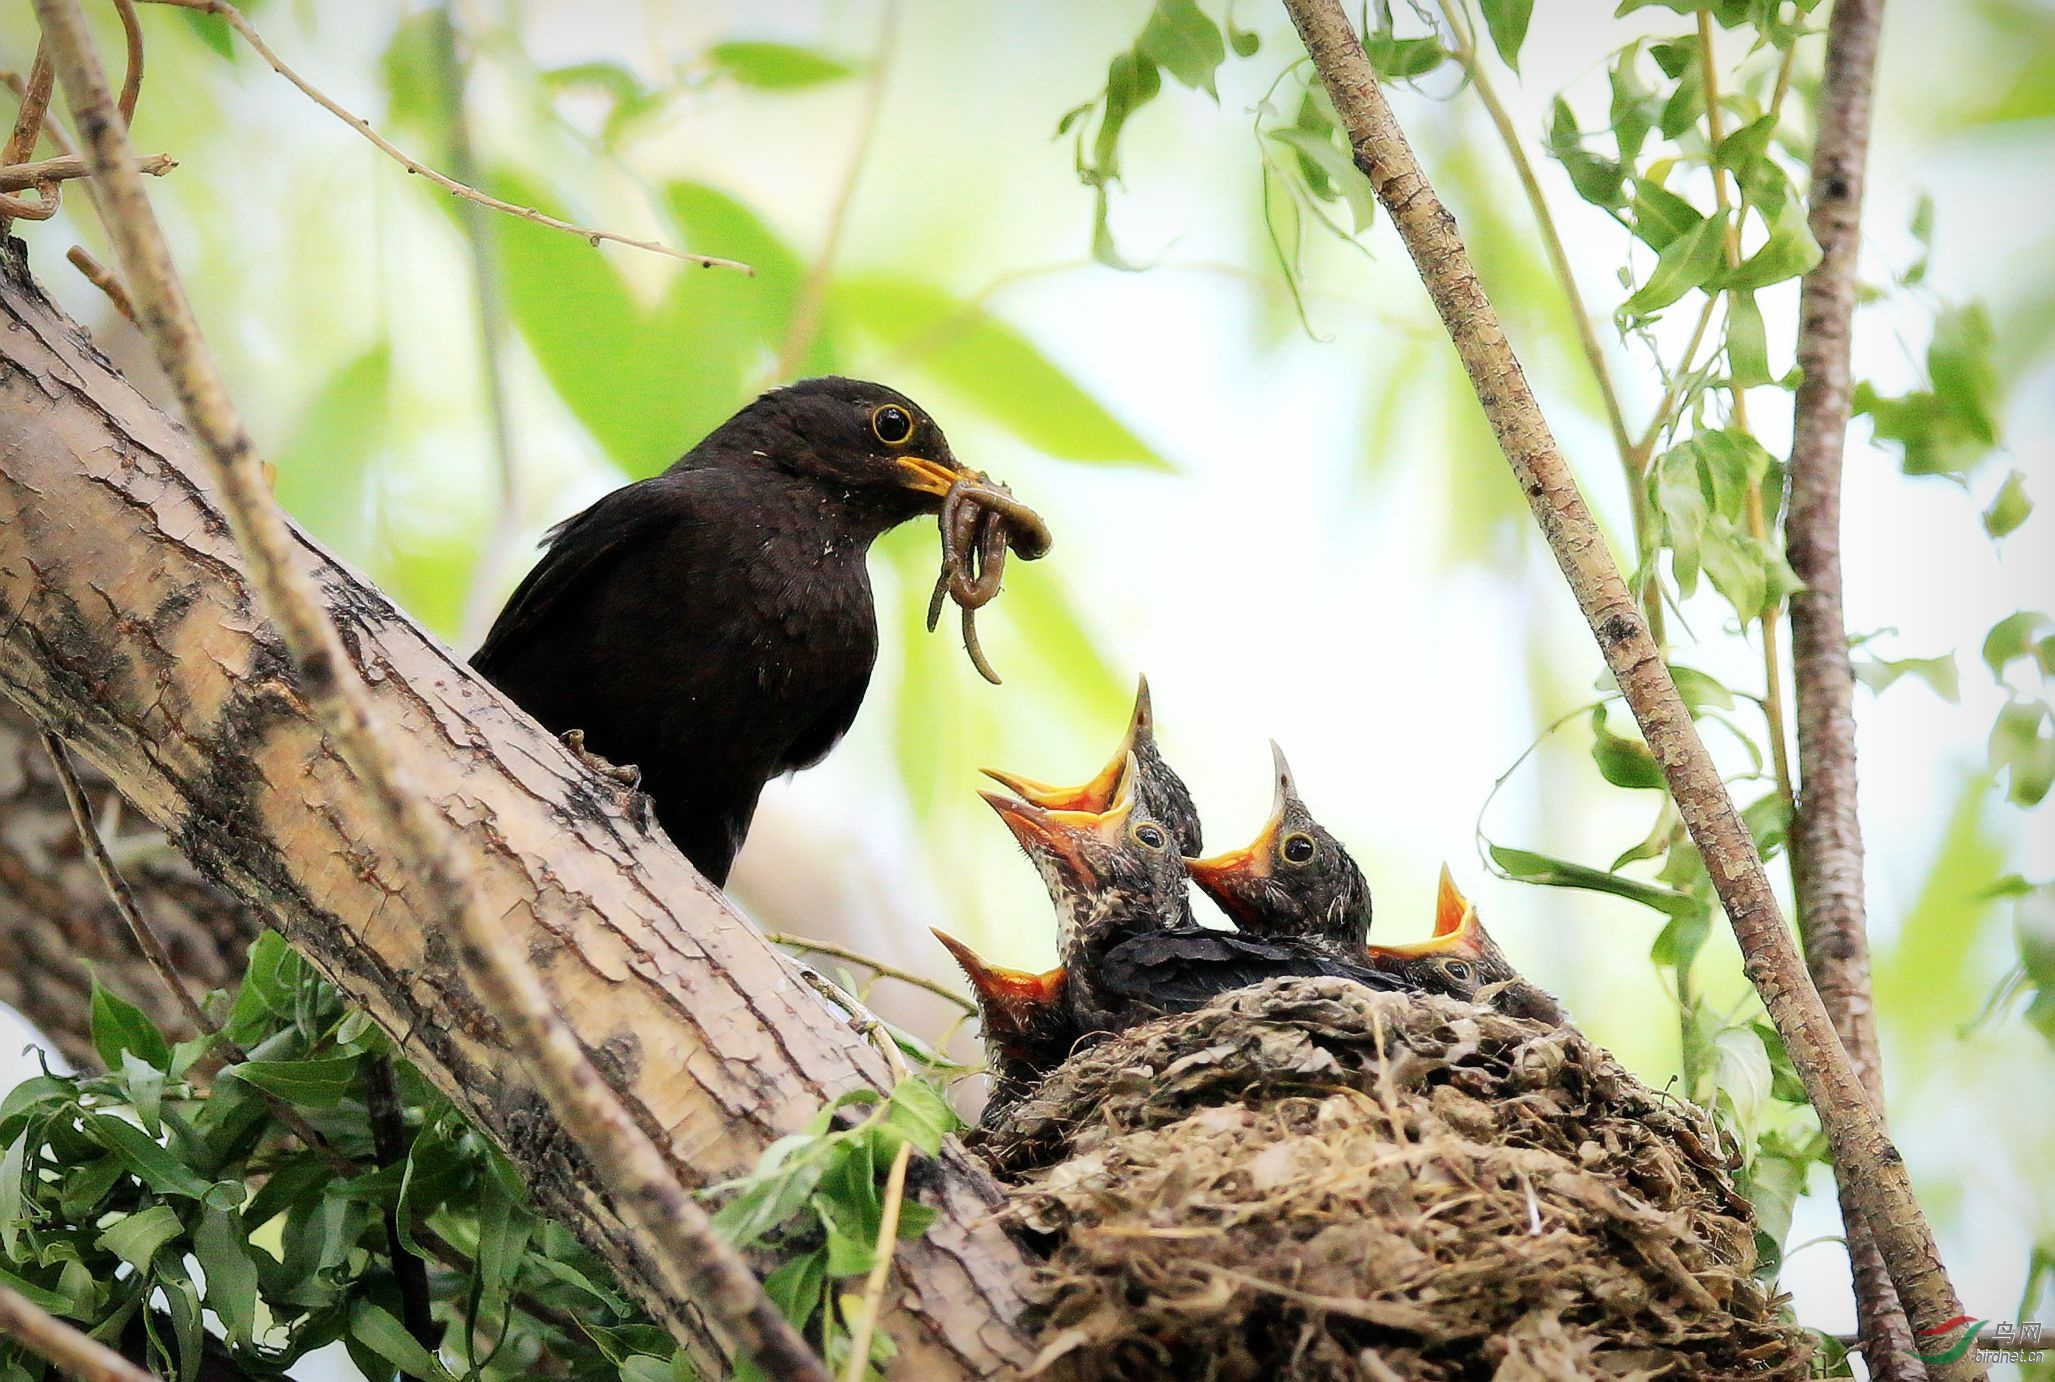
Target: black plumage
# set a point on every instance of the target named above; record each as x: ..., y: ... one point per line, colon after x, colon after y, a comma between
x: 714, y: 626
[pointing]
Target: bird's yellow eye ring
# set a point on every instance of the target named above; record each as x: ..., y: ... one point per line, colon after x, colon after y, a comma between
x: 1297, y: 848
x: 1149, y: 836
x: 892, y: 424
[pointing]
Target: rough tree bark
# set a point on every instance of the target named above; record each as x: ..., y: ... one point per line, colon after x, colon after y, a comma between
x: 128, y: 625
x: 1826, y: 833
x: 58, y: 926
x: 1871, y: 1167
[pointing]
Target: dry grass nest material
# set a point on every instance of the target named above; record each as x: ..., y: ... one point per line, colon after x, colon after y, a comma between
x: 1312, y: 1180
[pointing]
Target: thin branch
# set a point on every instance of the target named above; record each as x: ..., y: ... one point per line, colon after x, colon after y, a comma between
x: 1770, y: 615
x: 71, y: 1350
x: 234, y: 18
x: 117, y: 886
x: 16, y: 177
x: 103, y: 278
x: 1826, y: 831
x: 390, y: 1145
x: 694, y: 1263
x: 1468, y: 56
x: 1860, y: 1146
x: 132, y: 79
x: 805, y: 325
x: 857, y: 1367
x: 807, y: 945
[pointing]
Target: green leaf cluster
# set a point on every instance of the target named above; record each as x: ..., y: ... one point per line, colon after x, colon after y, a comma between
x: 137, y: 1202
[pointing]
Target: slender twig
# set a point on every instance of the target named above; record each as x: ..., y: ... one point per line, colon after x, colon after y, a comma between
x: 1758, y: 528
x: 117, y: 887
x: 805, y: 324
x: 159, y: 958
x: 235, y: 20
x: 71, y: 1350
x: 103, y: 278
x: 808, y: 945
x: 132, y: 79
x: 1826, y: 831
x: 18, y: 176
x: 1858, y: 1140
x: 872, y: 1301
x: 1470, y: 58
x: 692, y: 1261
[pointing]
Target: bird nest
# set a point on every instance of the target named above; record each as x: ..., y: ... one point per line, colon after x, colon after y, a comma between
x: 1313, y: 1180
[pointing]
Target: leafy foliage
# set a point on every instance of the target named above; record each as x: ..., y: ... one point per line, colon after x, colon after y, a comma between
x: 138, y: 1201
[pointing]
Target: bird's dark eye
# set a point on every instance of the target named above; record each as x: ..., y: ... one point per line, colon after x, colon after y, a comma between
x: 892, y: 424
x: 1149, y: 837
x: 1456, y: 970
x: 1297, y: 849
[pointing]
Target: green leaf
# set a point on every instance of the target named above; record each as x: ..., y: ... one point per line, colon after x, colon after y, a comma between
x: 2022, y: 750
x: 1506, y: 20
x: 1687, y: 262
x: 151, y: 1163
x: 308, y: 1083
x: 1660, y: 215
x: 1132, y: 81
x: 1530, y: 867
x: 1403, y: 59
x: 1742, y: 1078
x: 1596, y: 180
x: 1180, y: 39
x: 1964, y: 375
x: 223, y: 1249
x: 990, y: 366
x: 13, y: 1210
x: 775, y: 66
x: 2013, y: 638
x: 796, y: 1286
x: 416, y: 67
x: 327, y: 465
x: 119, y: 1026
x: 1621, y: 761
x: 137, y: 1238
x: 2010, y: 508
x: 378, y: 1331
x: 1789, y: 252
x: 1937, y: 672
x: 1337, y: 171
x: 1746, y: 154
x: 213, y: 31
x: 919, y: 1113
x: 1700, y: 689
x: 1748, y: 346
x: 1633, y: 106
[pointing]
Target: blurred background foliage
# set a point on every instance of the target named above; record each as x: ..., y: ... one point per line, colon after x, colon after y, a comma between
x: 1271, y: 487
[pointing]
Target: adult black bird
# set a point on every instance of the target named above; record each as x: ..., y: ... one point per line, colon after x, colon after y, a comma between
x: 1293, y: 880
x: 1158, y: 791
x: 1125, y: 933
x: 1462, y: 961
x: 713, y: 626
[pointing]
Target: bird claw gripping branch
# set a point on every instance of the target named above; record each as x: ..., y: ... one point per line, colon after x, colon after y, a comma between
x: 980, y: 520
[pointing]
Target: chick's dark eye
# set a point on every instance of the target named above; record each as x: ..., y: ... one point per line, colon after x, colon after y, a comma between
x: 1457, y: 970
x: 1298, y: 849
x: 1149, y: 836
x: 892, y: 424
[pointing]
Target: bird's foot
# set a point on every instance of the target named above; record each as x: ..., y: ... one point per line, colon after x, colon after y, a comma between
x: 634, y: 803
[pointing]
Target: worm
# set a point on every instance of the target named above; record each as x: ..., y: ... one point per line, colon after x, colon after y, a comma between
x: 980, y: 521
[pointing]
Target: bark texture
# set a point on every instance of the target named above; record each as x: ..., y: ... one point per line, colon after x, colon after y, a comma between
x: 58, y: 926
x: 1826, y: 833
x: 128, y: 625
x: 1872, y: 1168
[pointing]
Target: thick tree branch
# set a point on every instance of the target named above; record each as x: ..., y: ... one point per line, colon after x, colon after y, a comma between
x: 1826, y: 833
x: 1870, y: 1164
x: 692, y: 1260
x: 128, y: 625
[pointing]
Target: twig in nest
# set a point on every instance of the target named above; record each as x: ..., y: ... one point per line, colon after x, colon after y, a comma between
x: 235, y: 20
x: 103, y: 278
x: 980, y: 520
x: 842, y: 952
